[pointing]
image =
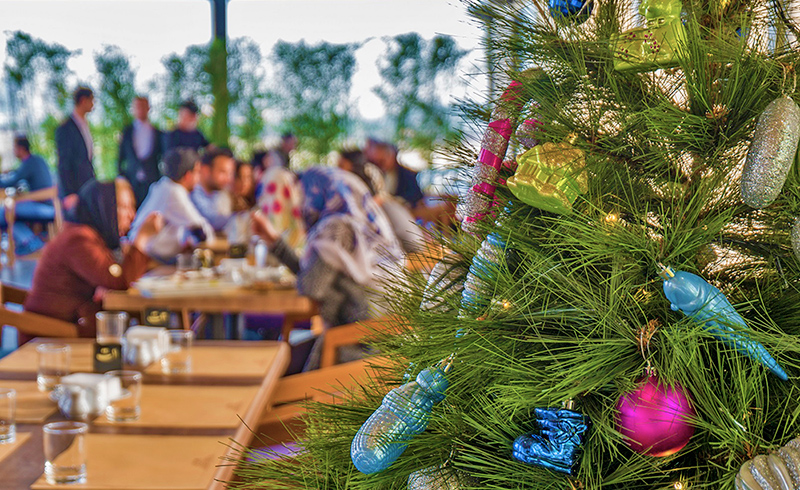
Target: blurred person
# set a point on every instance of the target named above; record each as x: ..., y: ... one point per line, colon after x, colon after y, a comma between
x: 243, y: 187
x: 399, y: 216
x: 140, y: 150
x: 259, y: 163
x: 349, y: 247
x: 33, y: 173
x: 281, y: 156
x: 32, y: 168
x: 355, y: 161
x: 398, y: 180
x: 280, y: 197
x: 401, y: 183
x: 184, y: 226
x: 186, y: 134
x: 75, y: 148
x: 81, y: 263
x: 212, y: 194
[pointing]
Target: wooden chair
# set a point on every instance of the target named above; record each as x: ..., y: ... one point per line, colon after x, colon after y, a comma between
x: 280, y: 423
x: 10, y: 205
x: 325, y: 383
x: 350, y: 334
x: 28, y: 323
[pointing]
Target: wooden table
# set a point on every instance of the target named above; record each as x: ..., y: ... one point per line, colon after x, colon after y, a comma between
x: 279, y: 301
x: 187, y: 431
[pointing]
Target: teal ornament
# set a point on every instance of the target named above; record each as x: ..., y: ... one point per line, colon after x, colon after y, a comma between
x: 484, y: 269
x: 438, y: 478
x: 404, y: 413
x: 558, y: 445
x: 577, y: 11
x: 706, y: 304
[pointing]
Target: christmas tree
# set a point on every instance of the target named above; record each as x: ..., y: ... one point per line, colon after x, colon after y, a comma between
x: 621, y: 305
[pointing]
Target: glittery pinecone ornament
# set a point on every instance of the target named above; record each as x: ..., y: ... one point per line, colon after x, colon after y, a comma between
x: 778, y: 471
x: 771, y: 152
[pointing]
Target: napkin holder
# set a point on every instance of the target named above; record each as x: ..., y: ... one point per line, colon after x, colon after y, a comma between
x: 145, y: 345
x: 83, y: 396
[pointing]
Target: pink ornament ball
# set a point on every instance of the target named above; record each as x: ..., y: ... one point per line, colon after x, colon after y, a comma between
x: 654, y: 418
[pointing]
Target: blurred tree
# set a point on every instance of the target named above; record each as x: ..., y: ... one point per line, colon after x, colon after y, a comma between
x: 188, y: 76
x: 311, y: 90
x: 35, y: 75
x: 114, y: 95
x: 415, y: 72
x: 246, y: 89
x: 185, y: 78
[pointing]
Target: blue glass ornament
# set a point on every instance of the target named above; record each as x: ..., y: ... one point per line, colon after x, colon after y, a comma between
x: 706, y: 304
x: 557, y: 446
x: 577, y: 11
x: 484, y: 268
x: 404, y: 413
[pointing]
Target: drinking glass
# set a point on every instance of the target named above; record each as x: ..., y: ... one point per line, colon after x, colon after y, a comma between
x: 8, y: 412
x: 53, y: 363
x: 65, y: 452
x: 178, y: 358
x: 111, y: 326
x: 126, y: 408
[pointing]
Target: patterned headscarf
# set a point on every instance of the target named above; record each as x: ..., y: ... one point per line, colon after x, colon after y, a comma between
x: 347, y: 228
x: 280, y: 198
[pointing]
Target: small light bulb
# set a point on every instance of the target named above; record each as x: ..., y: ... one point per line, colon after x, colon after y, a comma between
x: 678, y: 485
x: 612, y: 218
x: 506, y: 304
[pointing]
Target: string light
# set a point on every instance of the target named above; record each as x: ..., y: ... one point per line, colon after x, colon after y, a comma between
x: 612, y: 218
x: 506, y: 304
x: 679, y: 485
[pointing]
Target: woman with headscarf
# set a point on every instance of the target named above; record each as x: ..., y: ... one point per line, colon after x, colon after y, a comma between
x: 349, y: 246
x: 399, y: 216
x: 84, y: 259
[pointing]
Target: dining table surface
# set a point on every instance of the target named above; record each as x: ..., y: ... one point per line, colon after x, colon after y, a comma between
x: 269, y: 299
x: 188, y: 437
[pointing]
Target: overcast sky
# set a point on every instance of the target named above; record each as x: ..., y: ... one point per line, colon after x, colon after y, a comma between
x: 147, y: 30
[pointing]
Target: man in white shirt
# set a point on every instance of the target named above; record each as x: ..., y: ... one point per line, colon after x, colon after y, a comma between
x: 170, y: 197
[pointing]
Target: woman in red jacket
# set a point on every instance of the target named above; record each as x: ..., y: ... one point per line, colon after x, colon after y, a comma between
x: 85, y: 258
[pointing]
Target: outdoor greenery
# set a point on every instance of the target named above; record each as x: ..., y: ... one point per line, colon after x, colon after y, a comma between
x: 302, y: 88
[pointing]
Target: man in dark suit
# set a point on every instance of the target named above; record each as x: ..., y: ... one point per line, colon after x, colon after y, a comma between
x: 75, y: 149
x: 186, y: 134
x: 140, y: 151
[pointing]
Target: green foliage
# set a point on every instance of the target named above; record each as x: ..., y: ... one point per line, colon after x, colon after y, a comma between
x: 186, y: 78
x: 246, y: 86
x: 311, y: 89
x: 572, y: 293
x: 413, y: 71
x: 32, y: 63
x: 115, y: 94
x: 189, y: 76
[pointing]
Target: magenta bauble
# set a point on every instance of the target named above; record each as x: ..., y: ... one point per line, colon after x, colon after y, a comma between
x: 655, y: 418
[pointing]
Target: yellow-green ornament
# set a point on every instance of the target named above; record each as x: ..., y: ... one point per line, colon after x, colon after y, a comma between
x: 550, y: 176
x: 660, y: 44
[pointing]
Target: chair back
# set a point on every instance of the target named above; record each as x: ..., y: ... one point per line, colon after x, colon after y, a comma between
x: 27, y: 323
